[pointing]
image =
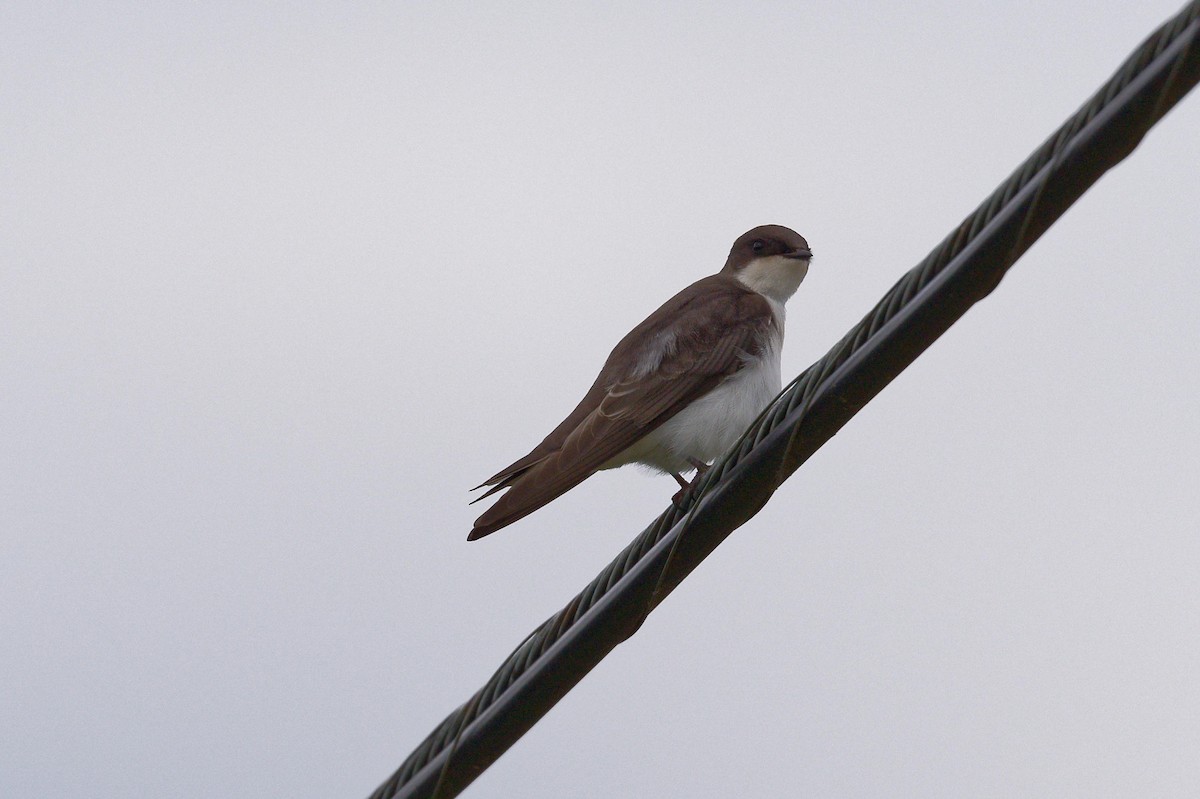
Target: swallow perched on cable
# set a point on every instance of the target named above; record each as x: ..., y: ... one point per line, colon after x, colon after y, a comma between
x: 679, y: 389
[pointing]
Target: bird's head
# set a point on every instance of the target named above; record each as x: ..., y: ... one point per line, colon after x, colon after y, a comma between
x: 770, y: 259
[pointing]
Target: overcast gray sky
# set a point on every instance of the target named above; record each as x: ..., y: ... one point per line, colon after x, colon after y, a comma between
x: 279, y: 283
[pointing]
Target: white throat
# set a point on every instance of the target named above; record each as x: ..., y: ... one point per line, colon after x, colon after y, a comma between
x: 774, y: 277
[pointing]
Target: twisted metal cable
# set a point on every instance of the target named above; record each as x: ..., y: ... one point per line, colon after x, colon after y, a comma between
x: 964, y: 268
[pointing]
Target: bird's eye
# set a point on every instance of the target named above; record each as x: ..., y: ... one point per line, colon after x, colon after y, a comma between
x: 758, y: 245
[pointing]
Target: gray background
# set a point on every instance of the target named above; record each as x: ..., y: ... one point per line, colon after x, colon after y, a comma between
x: 278, y: 284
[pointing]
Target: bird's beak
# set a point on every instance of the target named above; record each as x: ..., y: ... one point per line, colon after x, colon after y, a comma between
x: 800, y: 254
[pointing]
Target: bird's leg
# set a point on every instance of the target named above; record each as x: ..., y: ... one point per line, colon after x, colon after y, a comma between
x: 700, y: 466
x: 684, y: 485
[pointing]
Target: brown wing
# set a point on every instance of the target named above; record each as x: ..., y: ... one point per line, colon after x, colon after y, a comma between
x: 711, y: 327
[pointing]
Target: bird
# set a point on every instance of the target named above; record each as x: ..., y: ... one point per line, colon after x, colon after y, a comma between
x: 678, y: 390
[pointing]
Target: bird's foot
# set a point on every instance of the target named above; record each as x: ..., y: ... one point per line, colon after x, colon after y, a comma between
x: 684, y: 485
x: 701, y: 467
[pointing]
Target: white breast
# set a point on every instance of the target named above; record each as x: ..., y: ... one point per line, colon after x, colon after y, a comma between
x: 711, y: 425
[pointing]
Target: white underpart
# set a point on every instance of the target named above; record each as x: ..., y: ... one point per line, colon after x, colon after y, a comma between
x: 712, y: 424
x: 708, y: 427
